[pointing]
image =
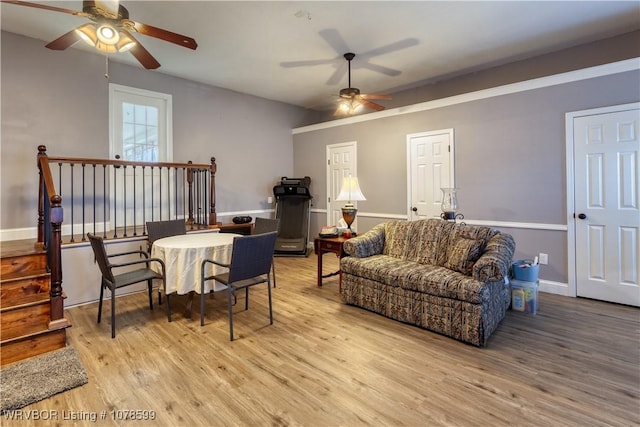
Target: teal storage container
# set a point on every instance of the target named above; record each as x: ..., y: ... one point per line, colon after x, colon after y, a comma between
x: 525, y: 270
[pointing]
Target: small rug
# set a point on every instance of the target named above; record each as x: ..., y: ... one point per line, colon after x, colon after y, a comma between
x: 29, y: 381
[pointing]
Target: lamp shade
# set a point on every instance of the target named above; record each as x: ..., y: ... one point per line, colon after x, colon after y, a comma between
x: 350, y: 190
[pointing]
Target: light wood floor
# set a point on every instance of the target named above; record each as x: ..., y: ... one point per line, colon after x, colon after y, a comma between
x: 322, y: 363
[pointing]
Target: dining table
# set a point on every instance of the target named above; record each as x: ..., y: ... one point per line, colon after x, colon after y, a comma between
x: 183, y: 256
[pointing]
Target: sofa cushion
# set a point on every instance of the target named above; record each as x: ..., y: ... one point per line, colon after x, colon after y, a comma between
x: 423, y: 241
x: 425, y: 278
x: 462, y: 253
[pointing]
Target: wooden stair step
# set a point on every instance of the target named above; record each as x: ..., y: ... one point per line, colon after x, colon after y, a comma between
x: 15, y: 287
x: 35, y: 273
x: 31, y: 316
x: 22, y: 263
x: 26, y: 328
x: 29, y: 345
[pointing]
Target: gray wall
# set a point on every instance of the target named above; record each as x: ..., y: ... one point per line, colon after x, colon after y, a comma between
x: 60, y: 99
x: 509, y: 159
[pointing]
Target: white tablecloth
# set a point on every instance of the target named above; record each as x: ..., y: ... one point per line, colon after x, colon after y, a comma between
x: 183, y: 256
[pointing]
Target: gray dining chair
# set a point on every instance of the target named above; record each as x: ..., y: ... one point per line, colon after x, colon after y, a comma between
x: 250, y: 265
x: 267, y: 225
x: 113, y: 281
x: 159, y: 229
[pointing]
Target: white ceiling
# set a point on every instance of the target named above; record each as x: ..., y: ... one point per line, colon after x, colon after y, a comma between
x: 244, y: 46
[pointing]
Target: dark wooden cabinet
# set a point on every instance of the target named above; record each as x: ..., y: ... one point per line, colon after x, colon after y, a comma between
x: 244, y: 229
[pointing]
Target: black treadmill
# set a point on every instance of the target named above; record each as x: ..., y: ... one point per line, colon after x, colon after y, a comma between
x: 293, y: 208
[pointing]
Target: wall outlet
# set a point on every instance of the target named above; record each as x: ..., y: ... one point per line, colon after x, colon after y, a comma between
x: 269, y: 199
x: 543, y: 258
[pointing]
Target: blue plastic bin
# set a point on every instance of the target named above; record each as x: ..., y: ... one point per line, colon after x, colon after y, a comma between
x: 525, y: 270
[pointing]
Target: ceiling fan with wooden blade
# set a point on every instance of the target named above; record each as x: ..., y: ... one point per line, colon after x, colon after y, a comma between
x: 110, y: 30
x: 333, y: 38
x: 351, y: 100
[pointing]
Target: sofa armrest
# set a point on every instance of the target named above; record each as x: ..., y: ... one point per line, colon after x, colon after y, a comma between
x: 367, y: 244
x: 494, y: 264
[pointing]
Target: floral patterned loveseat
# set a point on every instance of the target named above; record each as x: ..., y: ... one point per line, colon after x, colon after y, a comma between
x: 438, y: 275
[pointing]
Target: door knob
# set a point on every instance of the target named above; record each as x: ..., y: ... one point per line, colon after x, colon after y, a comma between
x: 414, y: 209
x: 582, y: 216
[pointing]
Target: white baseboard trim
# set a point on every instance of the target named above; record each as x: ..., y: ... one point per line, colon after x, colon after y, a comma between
x: 18, y: 234
x: 556, y: 288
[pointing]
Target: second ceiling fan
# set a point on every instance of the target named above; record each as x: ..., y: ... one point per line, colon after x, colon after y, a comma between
x: 351, y: 100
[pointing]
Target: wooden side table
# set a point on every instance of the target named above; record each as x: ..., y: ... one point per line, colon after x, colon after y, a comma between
x: 245, y: 229
x: 323, y: 245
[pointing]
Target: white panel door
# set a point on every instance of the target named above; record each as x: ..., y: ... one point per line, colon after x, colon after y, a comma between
x: 430, y: 169
x: 341, y: 162
x: 140, y: 131
x: 606, y: 151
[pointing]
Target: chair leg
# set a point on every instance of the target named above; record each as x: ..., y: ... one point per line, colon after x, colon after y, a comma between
x: 202, y: 304
x: 150, y: 287
x: 100, y: 303
x: 113, y: 313
x: 246, y: 298
x: 270, y: 309
x: 273, y: 269
x: 230, y: 306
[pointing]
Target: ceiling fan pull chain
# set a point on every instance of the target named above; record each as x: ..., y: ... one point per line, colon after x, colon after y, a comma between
x: 106, y: 65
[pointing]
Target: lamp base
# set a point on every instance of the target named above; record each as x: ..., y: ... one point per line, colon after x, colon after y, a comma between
x: 349, y: 215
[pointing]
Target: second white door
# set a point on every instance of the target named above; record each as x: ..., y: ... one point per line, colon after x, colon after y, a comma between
x: 606, y: 151
x: 341, y: 162
x: 430, y: 164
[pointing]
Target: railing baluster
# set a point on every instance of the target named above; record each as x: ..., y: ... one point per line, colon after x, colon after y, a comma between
x: 94, y: 199
x: 144, y: 203
x: 72, y: 201
x: 115, y: 203
x: 175, y: 191
x: 84, y: 205
x: 190, y: 184
x: 153, y: 191
x: 160, y: 191
x: 135, y: 213
x: 124, y: 199
x: 104, y: 201
x: 213, y: 217
x: 183, y: 193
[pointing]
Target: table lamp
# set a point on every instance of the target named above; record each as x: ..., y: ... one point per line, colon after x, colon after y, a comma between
x: 350, y: 192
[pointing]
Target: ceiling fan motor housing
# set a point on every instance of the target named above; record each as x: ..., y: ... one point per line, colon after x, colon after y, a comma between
x: 92, y: 8
x: 349, y: 92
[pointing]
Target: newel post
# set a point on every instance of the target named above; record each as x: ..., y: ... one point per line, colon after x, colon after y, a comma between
x: 213, y: 219
x: 55, y: 263
x: 42, y: 154
x: 190, y: 220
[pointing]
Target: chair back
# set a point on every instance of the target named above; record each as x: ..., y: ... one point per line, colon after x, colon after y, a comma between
x: 265, y: 225
x: 159, y: 229
x: 252, y: 256
x: 100, y: 254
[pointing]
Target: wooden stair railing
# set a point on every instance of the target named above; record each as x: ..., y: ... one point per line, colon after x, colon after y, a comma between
x: 183, y: 190
x: 32, y: 298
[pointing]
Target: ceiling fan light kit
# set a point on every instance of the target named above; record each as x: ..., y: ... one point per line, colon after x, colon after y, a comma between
x: 351, y: 100
x: 105, y: 38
